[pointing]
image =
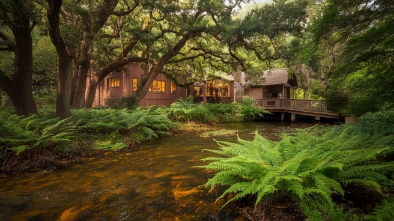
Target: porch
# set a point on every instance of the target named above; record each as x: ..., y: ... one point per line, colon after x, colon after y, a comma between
x: 315, y: 108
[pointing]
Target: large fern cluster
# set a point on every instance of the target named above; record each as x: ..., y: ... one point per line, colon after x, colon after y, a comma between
x: 109, y: 128
x: 309, y: 166
x: 20, y: 133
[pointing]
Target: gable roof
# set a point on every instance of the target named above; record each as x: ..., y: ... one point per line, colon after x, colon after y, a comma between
x: 278, y: 77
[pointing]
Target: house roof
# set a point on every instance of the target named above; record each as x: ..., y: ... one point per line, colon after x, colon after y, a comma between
x: 278, y: 77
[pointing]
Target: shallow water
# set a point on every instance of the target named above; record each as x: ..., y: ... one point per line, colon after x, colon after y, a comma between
x: 157, y: 181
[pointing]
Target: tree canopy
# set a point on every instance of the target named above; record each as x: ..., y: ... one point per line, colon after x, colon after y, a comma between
x: 364, y: 30
x: 341, y: 48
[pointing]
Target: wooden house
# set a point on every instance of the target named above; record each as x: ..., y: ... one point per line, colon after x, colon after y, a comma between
x: 221, y: 88
x: 273, y: 93
x: 275, y: 84
x: 123, y: 83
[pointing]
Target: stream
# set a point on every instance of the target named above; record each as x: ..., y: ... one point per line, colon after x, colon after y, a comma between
x: 156, y: 181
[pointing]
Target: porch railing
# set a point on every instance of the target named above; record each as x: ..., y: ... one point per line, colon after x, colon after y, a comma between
x: 294, y: 104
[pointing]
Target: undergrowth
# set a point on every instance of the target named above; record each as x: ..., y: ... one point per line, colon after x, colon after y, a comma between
x: 184, y: 110
x: 311, y: 166
x: 108, y: 129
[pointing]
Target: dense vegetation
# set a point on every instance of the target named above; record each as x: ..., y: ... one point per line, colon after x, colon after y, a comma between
x: 185, y: 110
x: 108, y: 129
x: 87, y: 130
x: 313, y: 167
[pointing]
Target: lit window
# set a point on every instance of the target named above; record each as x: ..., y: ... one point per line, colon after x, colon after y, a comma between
x: 173, y: 87
x: 197, y: 91
x: 163, y: 86
x: 158, y: 86
x: 135, y: 83
x: 114, y: 82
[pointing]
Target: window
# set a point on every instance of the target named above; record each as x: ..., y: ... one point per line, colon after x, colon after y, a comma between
x: 197, y: 91
x: 114, y: 82
x: 173, y: 87
x: 135, y: 83
x: 158, y: 86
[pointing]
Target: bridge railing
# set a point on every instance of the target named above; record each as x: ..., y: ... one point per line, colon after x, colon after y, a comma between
x: 295, y: 104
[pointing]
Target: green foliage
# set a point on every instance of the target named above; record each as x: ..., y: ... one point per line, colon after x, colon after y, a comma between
x: 142, y: 124
x: 384, y: 212
x: 249, y: 110
x: 38, y: 130
x: 184, y: 110
x: 18, y: 149
x: 110, y: 128
x: 308, y: 166
x: 112, y: 143
x: 361, y: 53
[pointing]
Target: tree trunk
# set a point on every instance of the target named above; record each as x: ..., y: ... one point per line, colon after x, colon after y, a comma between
x: 83, y: 67
x: 92, y: 92
x: 80, y: 90
x: 74, y: 80
x: 65, y: 60
x: 64, y: 88
x: 19, y: 87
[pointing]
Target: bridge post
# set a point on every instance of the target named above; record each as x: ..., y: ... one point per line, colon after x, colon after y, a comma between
x: 282, y: 116
x: 292, y: 117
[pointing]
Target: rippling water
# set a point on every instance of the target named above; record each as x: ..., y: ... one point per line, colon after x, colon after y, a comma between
x: 157, y: 181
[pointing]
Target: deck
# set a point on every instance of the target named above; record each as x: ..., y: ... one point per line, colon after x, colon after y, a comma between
x: 315, y: 108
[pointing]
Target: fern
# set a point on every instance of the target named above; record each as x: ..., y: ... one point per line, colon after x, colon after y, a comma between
x: 309, y: 166
x: 19, y: 149
x: 46, y: 130
x: 384, y: 212
x: 110, y: 145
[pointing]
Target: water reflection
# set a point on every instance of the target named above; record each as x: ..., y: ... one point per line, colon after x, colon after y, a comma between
x: 156, y: 182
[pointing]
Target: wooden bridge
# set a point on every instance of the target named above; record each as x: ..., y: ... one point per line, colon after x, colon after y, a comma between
x: 315, y: 108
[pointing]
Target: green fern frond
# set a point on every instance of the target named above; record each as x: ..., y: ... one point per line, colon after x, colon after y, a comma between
x: 295, y: 188
x: 110, y: 145
x: 326, y: 184
x: 309, y: 166
x: 368, y: 183
x: 384, y: 212
x: 19, y: 149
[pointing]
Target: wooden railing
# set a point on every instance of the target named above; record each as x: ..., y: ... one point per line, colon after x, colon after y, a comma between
x: 293, y: 104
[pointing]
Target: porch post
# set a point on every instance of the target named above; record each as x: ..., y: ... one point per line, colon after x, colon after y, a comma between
x: 204, y: 93
x: 282, y: 116
x: 232, y: 92
x: 292, y: 116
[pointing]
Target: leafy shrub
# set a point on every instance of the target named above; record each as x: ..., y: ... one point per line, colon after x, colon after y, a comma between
x: 308, y: 166
x: 358, y: 106
x: 249, y: 110
x: 184, y: 110
x: 201, y: 114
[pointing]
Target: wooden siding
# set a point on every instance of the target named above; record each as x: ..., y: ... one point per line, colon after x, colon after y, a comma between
x: 255, y: 92
x: 126, y: 74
